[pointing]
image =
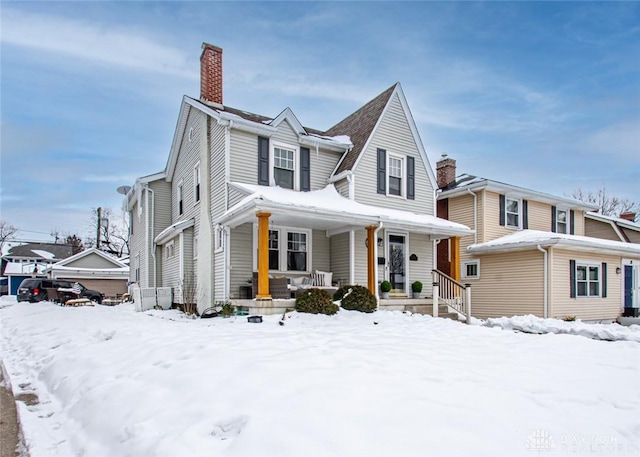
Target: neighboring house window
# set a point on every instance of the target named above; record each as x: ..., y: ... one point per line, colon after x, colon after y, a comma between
x: 136, y: 265
x: 284, y: 167
x: 296, y: 251
x: 587, y: 280
x: 130, y: 222
x: 169, y: 250
x: 512, y: 212
x: 395, y: 176
x: 196, y: 182
x: 180, y: 198
x: 195, y: 247
x: 274, y: 250
x: 219, y: 238
x: 471, y: 269
x: 190, y: 134
x: 562, y: 221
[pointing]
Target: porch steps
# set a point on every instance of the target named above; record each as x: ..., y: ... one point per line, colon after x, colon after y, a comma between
x: 443, y: 311
x: 418, y: 306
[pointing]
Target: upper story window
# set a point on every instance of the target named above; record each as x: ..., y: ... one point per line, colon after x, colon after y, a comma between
x: 395, y: 175
x: 562, y: 221
x: 196, y: 182
x: 179, y: 196
x: 284, y: 167
x: 512, y: 213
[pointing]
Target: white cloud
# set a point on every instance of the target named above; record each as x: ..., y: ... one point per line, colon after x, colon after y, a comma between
x: 94, y: 42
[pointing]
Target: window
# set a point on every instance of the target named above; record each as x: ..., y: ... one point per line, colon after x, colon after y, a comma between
x: 283, y: 167
x: 190, y: 134
x: 587, y: 280
x: 395, y: 175
x: 136, y: 264
x: 195, y: 247
x: 471, y: 269
x: 219, y: 238
x: 296, y: 251
x: 169, y: 250
x: 130, y: 222
x: 274, y: 250
x: 180, y: 198
x: 512, y: 212
x: 562, y: 221
x: 196, y: 182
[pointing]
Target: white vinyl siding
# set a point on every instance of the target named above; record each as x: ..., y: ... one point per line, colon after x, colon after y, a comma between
x: 91, y: 261
x: 241, y: 256
x: 339, y: 260
x: 393, y: 135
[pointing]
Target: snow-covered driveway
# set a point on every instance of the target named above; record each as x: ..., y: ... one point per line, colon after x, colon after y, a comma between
x: 112, y: 382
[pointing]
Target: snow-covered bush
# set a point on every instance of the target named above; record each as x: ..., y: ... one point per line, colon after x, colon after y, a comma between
x: 315, y: 301
x: 357, y: 298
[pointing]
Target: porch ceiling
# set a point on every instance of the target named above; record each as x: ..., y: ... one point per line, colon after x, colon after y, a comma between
x: 326, y: 209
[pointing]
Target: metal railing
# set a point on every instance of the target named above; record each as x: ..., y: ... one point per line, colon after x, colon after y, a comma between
x: 450, y: 292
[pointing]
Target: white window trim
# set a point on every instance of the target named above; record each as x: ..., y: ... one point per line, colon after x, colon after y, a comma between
x: 180, y: 196
x: 589, y: 263
x: 506, y: 219
x: 471, y: 262
x: 170, y: 250
x: 196, y: 180
x: 403, y: 170
x: 283, y: 235
x: 218, y: 239
x: 566, y: 210
x: 296, y: 163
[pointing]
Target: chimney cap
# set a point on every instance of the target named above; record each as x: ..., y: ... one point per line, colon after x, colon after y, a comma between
x: 206, y: 45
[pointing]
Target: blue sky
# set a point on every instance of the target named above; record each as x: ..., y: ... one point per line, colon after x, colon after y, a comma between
x: 542, y: 95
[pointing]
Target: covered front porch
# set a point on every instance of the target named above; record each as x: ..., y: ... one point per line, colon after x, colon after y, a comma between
x: 281, y: 237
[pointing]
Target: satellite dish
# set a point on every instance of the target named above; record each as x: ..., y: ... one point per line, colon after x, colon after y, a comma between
x: 124, y: 190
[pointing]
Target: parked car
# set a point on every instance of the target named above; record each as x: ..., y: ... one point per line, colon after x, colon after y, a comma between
x: 35, y: 289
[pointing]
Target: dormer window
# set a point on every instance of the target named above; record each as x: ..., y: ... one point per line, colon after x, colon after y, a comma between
x: 284, y: 170
x: 512, y: 212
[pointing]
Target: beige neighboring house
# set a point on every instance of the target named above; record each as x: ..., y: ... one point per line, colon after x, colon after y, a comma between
x: 531, y: 253
x: 612, y: 228
x: 95, y: 270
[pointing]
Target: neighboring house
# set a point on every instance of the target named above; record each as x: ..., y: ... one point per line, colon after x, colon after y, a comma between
x: 530, y: 255
x: 244, y: 193
x: 612, y: 228
x: 95, y: 269
x: 24, y: 260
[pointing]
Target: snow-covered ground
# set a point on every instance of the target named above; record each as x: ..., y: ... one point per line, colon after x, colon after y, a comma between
x: 112, y: 382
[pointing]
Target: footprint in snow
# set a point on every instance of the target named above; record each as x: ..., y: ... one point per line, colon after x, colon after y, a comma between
x: 229, y: 429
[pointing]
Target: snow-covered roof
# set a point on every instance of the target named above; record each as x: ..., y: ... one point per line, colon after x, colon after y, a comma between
x: 26, y: 268
x: 327, y: 206
x: 93, y: 251
x: 44, y: 254
x: 527, y: 239
x: 173, y: 230
x: 466, y: 182
x: 622, y: 222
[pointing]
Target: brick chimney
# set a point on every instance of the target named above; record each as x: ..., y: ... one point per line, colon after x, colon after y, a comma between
x: 211, y: 73
x: 628, y: 216
x: 446, y: 171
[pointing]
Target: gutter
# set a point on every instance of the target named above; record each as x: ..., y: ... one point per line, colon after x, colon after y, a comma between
x: 546, y: 281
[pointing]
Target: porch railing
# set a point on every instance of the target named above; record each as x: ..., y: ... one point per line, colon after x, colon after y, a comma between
x: 451, y: 293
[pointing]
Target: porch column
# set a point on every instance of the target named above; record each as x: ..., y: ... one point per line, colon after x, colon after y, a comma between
x: 263, y: 256
x: 455, y: 257
x: 371, y: 259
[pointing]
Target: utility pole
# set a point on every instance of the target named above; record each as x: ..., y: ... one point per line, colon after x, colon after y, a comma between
x: 98, y: 225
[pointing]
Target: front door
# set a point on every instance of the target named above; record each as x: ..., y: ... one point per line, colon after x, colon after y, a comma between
x: 397, y: 259
x: 631, y: 285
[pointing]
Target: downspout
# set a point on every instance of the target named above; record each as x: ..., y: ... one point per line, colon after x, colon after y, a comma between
x: 375, y: 250
x: 475, y: 215
x: 545, y: 280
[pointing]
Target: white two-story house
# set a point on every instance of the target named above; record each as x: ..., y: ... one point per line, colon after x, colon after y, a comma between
x: 245, y: 199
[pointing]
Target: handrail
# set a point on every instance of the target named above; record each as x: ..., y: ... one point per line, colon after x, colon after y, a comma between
x: 452, y: 293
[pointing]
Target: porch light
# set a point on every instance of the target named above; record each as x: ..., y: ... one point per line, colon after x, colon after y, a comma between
x: 618, y: 270
x: 366, y: 242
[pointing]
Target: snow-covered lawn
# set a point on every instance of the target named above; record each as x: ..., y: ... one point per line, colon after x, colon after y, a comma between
x: 112, y: 382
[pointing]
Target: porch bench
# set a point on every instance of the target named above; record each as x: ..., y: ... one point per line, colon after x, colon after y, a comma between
x: 278, y: 287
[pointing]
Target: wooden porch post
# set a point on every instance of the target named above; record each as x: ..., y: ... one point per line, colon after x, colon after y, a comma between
x: 371, y: 259
x: 263, y: 256
x: 455, y: 258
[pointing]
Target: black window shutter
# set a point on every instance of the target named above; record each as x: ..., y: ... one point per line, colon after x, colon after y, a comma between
x: 263, y: 161
x: 572, y: 278
x: 503, y: 204
x: 525, y: 214
x: 604, y: 280
x: 382, y: 171
x: 553, y: 219
x: 411, y: 178
x: 572, y: 220
x: 305, y: 170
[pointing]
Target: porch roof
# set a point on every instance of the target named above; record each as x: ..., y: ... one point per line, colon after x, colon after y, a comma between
x: 529, y: 239
x: 326, y: 209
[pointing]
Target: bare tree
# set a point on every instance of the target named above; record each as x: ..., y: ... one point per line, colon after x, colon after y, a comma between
x: 7, y: 233
x: 608, y: 205
x: 76, y: 242
x: 113, y: 232
x: 189, y: 290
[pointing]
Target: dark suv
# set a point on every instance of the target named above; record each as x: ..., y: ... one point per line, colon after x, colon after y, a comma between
x: 35, y: 290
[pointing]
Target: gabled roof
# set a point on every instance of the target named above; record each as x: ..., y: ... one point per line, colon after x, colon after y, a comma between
x: 359, y: 126
x: 46, y: 251
x: 93, y: 251
x: 466, y: 182
x: 615, y: 220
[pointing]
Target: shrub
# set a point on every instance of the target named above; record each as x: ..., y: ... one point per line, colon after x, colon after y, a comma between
x: 385, y: 286
x: 358, y: 298
x: 416, y: 287
x: 315, y: 301
x: 569, y: 318
x: 226, y: 308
